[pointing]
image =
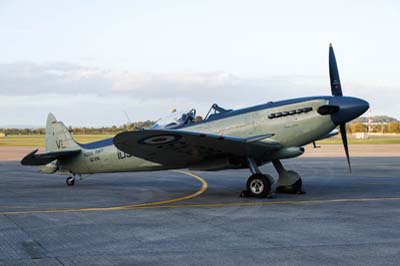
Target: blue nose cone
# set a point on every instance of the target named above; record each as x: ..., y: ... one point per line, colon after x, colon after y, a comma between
x: 349, y: 108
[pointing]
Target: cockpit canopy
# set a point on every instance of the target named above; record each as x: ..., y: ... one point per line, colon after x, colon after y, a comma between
x: 176, y: 119
x: 179, y: 118
x: 216, y: 110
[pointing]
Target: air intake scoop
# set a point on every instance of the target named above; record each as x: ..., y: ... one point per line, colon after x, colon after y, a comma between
x: 328, y: 109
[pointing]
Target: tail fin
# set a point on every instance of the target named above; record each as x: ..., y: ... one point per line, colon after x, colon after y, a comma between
x: 58, y: 136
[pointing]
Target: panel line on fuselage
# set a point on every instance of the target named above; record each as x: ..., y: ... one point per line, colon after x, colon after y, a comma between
x: 256, y: 108
x: 109, y: 141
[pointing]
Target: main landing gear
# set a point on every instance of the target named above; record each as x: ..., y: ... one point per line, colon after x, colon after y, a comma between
x: 259, y: 185
x: 70, y: 180
x: 289, y: 181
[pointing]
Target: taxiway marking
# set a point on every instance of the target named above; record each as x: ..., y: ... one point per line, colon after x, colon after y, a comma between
x: 210, y: 205
x: 288, y: 202
x: 203, y: 188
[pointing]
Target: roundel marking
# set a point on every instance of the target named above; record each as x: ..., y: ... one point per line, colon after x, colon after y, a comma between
x: 159, y: 139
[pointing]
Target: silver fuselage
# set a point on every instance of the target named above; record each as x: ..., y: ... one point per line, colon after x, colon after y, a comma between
x: 290, y: 131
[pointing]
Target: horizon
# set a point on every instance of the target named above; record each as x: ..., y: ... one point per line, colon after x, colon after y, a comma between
x: 140, y: 121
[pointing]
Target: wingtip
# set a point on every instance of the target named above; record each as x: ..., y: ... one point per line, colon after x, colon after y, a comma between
x: 25, y: 160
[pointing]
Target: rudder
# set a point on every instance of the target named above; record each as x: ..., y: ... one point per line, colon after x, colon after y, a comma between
x: 58, y: 136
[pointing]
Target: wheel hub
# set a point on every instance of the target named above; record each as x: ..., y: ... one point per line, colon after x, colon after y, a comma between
x: 256, y: 186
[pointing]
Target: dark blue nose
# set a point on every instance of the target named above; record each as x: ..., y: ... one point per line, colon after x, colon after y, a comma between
x: 349, y: 108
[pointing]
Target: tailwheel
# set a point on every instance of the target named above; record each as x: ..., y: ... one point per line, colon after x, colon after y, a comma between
x: 70, y: 181
x: 258, y: 186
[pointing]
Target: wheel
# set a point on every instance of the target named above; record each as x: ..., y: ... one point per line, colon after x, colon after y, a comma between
x: 70, y: 181
x: 258, y: 185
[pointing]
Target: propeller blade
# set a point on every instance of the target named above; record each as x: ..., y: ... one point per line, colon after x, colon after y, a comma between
x: 336, y: 87
x: 345, y: 145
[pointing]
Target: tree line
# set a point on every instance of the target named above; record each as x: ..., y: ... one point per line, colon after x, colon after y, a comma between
x: 391, y: 127
x: 82, y: 130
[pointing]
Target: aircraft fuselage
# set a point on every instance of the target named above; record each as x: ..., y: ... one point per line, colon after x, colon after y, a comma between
x: 291, y: 128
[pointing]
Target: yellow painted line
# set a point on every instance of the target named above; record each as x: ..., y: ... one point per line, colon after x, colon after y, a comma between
x: 211, y: 205
x: 261, y: 203
x: 203, y: 188
x: 204, y: 185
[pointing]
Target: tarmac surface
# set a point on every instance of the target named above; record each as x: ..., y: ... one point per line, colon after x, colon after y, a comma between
x: 179, y: 218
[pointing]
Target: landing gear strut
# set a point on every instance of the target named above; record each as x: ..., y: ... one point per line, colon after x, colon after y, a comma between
x: 70, y: 180
x: 258, y: 184
x: 289, y: 181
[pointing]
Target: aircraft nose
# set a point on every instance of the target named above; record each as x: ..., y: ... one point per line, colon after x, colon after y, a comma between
x: 349, y: 108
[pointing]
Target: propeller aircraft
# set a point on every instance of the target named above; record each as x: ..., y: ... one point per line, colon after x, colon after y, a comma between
x: 224, y: 139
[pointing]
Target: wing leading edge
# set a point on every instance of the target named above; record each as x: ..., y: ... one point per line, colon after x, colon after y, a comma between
x: 185, y: 148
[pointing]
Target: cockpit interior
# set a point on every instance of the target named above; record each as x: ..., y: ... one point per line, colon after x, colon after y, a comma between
x: 179, y: 118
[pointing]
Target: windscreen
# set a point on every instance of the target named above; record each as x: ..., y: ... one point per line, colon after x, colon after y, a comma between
x: 175, y: 119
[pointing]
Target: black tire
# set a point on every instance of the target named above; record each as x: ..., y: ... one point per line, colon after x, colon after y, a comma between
x: 70, y: 181
x: 292, y: 189
x: 258, y: 186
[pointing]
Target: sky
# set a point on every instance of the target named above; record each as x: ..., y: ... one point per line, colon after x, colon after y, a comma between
x: 90, y: 62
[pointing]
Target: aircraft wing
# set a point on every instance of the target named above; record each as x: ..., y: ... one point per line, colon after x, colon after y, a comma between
x: 47, y: 157
x: 183, y: 148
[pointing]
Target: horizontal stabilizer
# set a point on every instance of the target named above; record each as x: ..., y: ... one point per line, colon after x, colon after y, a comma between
x: 47, y: 157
